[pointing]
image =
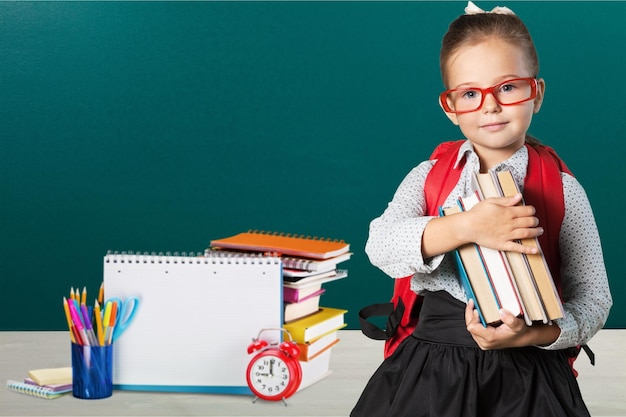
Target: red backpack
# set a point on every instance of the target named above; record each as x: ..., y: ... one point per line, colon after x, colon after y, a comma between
x: 543, y: 177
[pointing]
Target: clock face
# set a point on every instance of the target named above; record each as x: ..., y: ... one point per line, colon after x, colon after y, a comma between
x: 270, y: 376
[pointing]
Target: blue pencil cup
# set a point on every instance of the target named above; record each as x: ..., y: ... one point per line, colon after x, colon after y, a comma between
x: 92, y: 371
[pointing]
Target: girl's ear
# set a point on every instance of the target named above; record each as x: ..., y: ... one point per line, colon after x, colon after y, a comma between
x: 541, y: 89
x: 451, y: 116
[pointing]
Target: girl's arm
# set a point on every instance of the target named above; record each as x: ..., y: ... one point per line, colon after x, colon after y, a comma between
x: 585, y: 289
x: 395, y: 238
x: 404, y: 240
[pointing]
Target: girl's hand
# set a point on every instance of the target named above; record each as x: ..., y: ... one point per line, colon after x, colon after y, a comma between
x: 498, y: 223
x: 513, y: 331
x: 495, y: 223
x: 506, y: 335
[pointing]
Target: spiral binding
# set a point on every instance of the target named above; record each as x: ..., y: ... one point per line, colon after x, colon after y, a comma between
x: 208, y: 257
x: 34, y: 390
x: 295, y: 236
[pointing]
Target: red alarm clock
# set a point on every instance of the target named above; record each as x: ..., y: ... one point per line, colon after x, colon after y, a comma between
x: 274, y: 373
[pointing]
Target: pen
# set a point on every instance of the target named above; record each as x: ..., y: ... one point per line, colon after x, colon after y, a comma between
x: 79, y: 324
x: 69, y: 320
x: 88, y: 326
x: 98, y: 317
x: 112, y: 322
x: 72, y: 303
x: 76, y: 304
x: 106, y: 321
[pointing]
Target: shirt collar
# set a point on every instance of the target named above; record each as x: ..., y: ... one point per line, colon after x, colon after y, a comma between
x: 517, y: 163
x: 466, y: 148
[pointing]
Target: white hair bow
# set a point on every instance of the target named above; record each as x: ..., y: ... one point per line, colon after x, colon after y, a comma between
x: 473, y: 9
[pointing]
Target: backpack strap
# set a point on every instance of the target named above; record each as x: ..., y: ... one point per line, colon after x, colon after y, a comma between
x: 544, y: 174
x: 393, y: 312
x: 443, y: 176
x: 405, y: 304
x: 403, y: 310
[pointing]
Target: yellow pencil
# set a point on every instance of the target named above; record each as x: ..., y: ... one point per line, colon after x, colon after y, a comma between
x: 84, y: 299
x: 72, y: 297
x: 100, y: 333
x: 69, y: 319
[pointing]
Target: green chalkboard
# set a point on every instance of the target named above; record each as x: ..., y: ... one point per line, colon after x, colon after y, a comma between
x: 158, y: 126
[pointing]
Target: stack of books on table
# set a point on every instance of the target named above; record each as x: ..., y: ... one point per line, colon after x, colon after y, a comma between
x: 308, y: 265
x: 519, y: 283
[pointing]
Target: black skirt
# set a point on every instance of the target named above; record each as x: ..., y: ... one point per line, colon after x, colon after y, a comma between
x: 440, y: 372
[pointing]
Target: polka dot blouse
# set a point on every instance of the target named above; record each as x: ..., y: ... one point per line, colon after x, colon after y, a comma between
x: 394, y: 246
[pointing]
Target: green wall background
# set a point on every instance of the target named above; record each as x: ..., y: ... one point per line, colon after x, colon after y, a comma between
x: 158, y: 126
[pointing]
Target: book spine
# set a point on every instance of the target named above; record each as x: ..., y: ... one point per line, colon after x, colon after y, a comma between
x: 297, y: 333
x: 290, y: 295
x: 545, y: 284
x: 467, y: 286
x: 531, y: 301
x: 499, y: 274
x: 294, y: 295
x: 537, y: 264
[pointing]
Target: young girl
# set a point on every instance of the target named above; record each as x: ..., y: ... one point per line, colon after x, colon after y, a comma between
x: 452, y: 365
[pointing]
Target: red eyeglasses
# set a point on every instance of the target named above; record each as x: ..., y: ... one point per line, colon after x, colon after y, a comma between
x: 506, y: 93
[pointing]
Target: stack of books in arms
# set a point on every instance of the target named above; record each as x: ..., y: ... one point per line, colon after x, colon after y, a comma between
x: 308, y: 265
x: 519, y: 283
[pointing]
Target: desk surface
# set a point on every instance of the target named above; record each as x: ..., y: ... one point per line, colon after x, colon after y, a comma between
x: 353, y: 361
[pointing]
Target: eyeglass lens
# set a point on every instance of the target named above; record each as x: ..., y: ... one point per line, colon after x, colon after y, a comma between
x: 506, y: 93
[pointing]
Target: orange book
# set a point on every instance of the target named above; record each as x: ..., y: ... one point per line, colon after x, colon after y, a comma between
x: 283, y: 244
x: 311, y: 350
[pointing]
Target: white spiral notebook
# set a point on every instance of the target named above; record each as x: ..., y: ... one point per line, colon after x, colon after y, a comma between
x: 37, y: 390
x: 196, y: 318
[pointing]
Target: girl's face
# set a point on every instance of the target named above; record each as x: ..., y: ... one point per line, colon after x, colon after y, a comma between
x: 496, y: 131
